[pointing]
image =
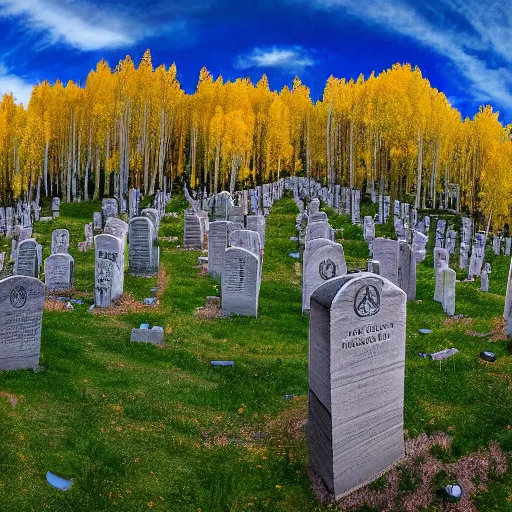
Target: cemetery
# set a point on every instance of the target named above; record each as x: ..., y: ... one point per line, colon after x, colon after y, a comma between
x: 371, y: 372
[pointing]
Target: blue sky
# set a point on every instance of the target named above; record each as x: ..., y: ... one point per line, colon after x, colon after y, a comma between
x: 464, y: 47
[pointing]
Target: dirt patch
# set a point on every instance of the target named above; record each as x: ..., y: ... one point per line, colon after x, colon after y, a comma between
x: 456, y: 321
x: 498, y: 333
x: 423, y: 467
x: 162, y: 281
x: 126, y: 304
x: 210, y: 310
x: 52, y: 304
x: 13, y: 399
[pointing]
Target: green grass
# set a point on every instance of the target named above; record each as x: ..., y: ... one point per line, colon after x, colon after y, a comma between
x: 143, y: 427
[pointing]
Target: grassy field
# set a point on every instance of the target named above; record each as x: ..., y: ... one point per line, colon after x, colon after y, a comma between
x: 143, y: 427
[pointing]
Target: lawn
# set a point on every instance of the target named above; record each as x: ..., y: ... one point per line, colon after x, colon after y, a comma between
x: 144, y: 427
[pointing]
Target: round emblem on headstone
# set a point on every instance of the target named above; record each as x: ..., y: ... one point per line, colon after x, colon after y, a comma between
x: 18, y: 296
x: 327, y: 269
x: 367, y: 301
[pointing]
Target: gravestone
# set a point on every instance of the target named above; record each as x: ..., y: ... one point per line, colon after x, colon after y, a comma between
x: 368, y: 228
x: 419, y: 244
x: 134, y: 202
x: 247, y: 239
x: 407, y: 270
x: 58, y: 272
x: 217, y: 244
x: 441, y: 254
x: 477, y: 255
x: 154, y: 335
x: 484, y: 278
x: 236, y: 214
x: 109, y: 207
x: 193, y: 234
x: 60, y: 241
x: 154, y: 216
x: 257, y: 223
x: 144, y: 254
x: 314, y: 206
x: 508, y: 243
x: 9, y: 221
x: 108, y: 270
x: 356, y: 380
x: 21, y: 316
x: 223, y: 203
x: 386, y: 252
x: 496, y: 244
x: 507, y: 312
x: 27, y: 262
x: 373, y: 266
x: 440, y: 232
x: 322, y: 260
x: 318, y: 217
x: 451, y: 240
x: 116, y: 227
x: 439, y: 268
x: 463, y: 255
x: 2, y: 261
x: 320, y: 229
x: 240, y: 286
x: 97, y: 222
x: 449, y: 280
x: 356, y: 212
x: 55, y: 207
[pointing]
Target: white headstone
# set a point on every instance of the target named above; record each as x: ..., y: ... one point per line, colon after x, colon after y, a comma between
x: 144, y: 254
x: 109, y: 270
x: 60, y: 241
x: 58, y: 272
x: 386, y: 253
x: 217, y: 244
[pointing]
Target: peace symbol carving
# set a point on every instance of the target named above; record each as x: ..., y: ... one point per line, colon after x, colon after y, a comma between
x: 367, y: 301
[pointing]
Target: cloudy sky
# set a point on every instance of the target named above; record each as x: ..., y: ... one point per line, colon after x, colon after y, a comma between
x: 464, y: 47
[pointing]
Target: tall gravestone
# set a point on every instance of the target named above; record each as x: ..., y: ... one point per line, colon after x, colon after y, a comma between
x: 144, y: 254
x: 116, y: 227
x: 240, y: 285
x: 109, y: 207
x: 58, y: 272
x: 441, y: 262
x: 217, y: 244
x: 9, y: 221
x: 419, y: 244
x: 108, y: 270
x: 321, y: 229
x: 386, y: 252
x: 407, y: 270
x: 60, y: 241
x: 356, y: 380
x: 440, y: 232
x: 477, y: 255
x: 449, y: 280
x: 193, y: 234
x: 258, y: 223
x: 27, y: 261
x: 21, y: 316
x: 322, y: 260
x: 55, y: 207
x: 368, y: 228
x: 97, y: 222
x: 356, y: 200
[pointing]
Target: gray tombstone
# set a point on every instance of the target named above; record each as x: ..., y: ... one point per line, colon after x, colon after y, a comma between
x: 144, y: 254
x: 246, y: 239
x: 356, y: 212
x: 60, y: 241
x: 222, y: 205
x: 419, y: 244
x: 109, y: 207
x: 97, y: 222
x: 58, y: 272
x: 314, y: 206
x: 449, y: 280
x: 507, y: 311
x: 440, y: 266
x: 356, y: 380
x: 318, y: 217
x: 21, y: 315
x: 322, y: 260
x: 508, y: 243
x: 477, y: 255
x: 89, y: 232
x: 240, y: 286
x: 368, y: 228
x: 440, y: 232
x: 154, y: 335
x: 154, y: 215
x: 27, y: 262
x: 217, y: 244
x: 386, y: 252
x: 407, y: 270
x: 257, y: 223
x: 108, y: 270
x: 55, y: 206
x: 116, y: 227
x: 373, y: 266
x: 451, y: 240
x: 484, y: 278
x: 2, y: 261
x: 193, y: 231
x: 9, y: 221
x: 320, y: 229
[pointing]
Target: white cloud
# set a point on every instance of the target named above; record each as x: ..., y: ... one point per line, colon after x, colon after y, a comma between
x: 294, y: 58
x: 69, y: 23
x: 485, y: 39
x: 10, y: 83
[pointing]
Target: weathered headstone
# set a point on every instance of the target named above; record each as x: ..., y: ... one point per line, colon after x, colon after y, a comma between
x: 55, y: 206
x: 322, y: 260
x: 217, y: 244
x: 240, y: 286
x: 154, y: 335
x: 321, y: 229
x: 154, y: 215
x: 58, y: 272
x: 318, y: 217
x: 27, y: 262
x: 477, y: 255
x: 484, y: 277
x: 419, y: 244
x: 507, y: 312
x: 223, y: 203
x: 144, y: 254
x: 193, y: 234
x: 109, y: 207
x: 60, y: 241
x: 451, y: 240
x: 407, y: 270
x: 496, y: 244
x: 257, y: 223
x: 373, y: 266
x: 449, y: 280
x: 9, y: 221
x: 247, y: 239
x: 386, y: 253
x: 368, y: 228
x: 21, y: 315
x: 314, y: 206
x: 356, y: 200
x: 440, y: 232
x: 109, y: 269
x: 508, y: 243
x: 2, y: 261
x: 97, y: 222
x: 356, y: 380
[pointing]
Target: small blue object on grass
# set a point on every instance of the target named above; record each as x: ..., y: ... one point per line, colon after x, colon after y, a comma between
x: 289, y: 397
x: 144, y: 326
x: 295, y: 255
x: 58, y: 482
x: 421, y: 354
x: 425, y: 331
x: 222, y: 363
x: 150, y: 301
